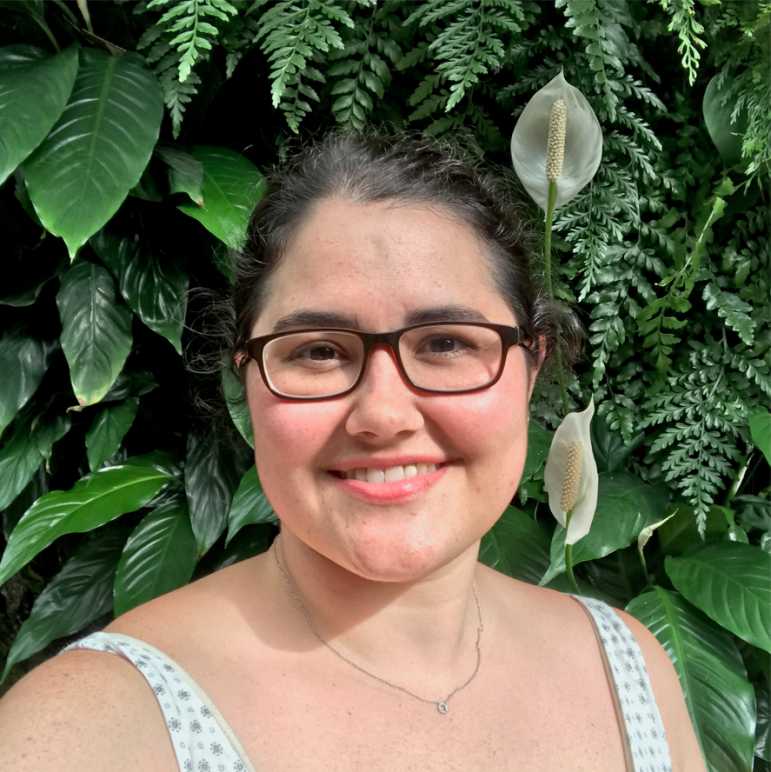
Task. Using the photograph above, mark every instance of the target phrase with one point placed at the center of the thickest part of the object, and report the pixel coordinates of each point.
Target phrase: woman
(368, 636)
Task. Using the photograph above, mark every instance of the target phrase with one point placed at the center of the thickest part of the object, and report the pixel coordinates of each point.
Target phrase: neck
(419, 632)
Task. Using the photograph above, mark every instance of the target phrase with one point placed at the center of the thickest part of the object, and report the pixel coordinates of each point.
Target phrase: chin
(404, 561)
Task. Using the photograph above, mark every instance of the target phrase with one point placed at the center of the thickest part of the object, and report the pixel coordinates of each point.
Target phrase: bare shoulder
(683, 745)
(83, 710)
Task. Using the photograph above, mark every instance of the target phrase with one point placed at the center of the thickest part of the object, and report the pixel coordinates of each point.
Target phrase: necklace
(440, 704)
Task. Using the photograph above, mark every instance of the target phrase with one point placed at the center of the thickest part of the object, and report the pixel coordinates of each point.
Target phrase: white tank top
(203, 741)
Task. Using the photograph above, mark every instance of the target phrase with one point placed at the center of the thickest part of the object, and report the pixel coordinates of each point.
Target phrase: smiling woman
(389, 333)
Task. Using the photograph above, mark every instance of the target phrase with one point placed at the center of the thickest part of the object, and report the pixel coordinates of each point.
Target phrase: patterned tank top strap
(645, 740)
(202, 739)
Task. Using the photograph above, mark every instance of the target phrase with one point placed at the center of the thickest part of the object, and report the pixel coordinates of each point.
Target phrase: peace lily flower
(556, 149)
(570, 476)
(557, 139)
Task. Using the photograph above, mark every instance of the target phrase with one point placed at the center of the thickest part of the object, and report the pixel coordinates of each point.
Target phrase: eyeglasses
(437, 358)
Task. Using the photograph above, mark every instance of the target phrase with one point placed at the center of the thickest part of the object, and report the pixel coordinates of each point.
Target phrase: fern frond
(688, 29)
(194, 34)
(363, 61)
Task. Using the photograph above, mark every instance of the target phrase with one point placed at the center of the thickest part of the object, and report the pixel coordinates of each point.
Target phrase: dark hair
(367, 168)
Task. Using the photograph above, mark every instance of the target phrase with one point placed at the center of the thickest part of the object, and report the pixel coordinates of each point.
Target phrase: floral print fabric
(203, 742)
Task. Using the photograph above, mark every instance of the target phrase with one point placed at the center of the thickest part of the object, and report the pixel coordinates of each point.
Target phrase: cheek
(286, 434)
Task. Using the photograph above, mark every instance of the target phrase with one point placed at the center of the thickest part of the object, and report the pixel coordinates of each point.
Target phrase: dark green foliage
(115, 486)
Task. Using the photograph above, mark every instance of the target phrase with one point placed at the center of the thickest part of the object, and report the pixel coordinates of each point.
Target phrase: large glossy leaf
(763, 729)
(236, 404)
(79, 176)
(107, 430)
(625, 505)
(720, 700)
(538, 444)
(610, 452)
(251, 540)
(760, 430)
(232, 186)
(185, 172)
(23, 363)
(516, 546)
(680, 533)
(154, 285)
(34, 89)
(249, 505)
(96, 330)
(726, 135)
(158, 557)
(78, 594)
(19, 459)
(93, 501)
(212, 474)
(731, 583)
(30, 445)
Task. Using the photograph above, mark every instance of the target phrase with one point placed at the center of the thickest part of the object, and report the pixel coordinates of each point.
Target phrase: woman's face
(375, 265)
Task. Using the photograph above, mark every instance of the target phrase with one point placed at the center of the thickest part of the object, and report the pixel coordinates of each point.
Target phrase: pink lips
(387, 493)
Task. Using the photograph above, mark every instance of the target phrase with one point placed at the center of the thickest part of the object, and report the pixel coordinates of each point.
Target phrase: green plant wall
(134, 137)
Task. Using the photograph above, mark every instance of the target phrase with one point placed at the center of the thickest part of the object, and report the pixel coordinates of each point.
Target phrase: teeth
(391, 474)
(375, 476)
(394, 473)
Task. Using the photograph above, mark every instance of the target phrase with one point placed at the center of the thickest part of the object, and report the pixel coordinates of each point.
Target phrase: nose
(384, 405)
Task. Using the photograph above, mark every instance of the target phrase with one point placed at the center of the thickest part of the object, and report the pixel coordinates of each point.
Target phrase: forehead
(381, 263)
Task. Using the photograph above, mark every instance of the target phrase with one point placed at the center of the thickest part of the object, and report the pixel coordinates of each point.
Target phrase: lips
(389, 484)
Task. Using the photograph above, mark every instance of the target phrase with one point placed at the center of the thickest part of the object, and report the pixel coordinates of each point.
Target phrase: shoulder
(81, 710)
(683, 745)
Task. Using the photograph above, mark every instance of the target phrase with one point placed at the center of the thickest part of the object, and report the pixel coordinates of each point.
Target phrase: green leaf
(251, 540)
(153, 284)
(720, 700)
(232, 186)
(93, 501)
(236, 403)
(726, 135)
(79, 176)
(516, 546)
(158, 557)
(30, 444)
(185, 172)
(681, 533)
(107, 430)
(78, 594)
(249, 505)
(23, 363)
(19, 460)
(212, 474)
(763, 729)
(625, 505)
(96, 330)
(538, 444)
(760, 430)
(731, 583)
(610, 452)
(34, 89)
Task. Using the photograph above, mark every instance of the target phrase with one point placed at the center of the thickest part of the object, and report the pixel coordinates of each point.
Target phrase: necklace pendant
(442, 707)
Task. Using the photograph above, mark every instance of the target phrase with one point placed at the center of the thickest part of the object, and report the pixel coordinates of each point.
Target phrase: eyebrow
(329, 319)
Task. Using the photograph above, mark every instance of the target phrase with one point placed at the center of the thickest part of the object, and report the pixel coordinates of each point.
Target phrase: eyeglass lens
(439, 357)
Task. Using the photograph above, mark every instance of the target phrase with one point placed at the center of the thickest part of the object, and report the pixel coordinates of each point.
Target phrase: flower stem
(550, 286)
(569, 558)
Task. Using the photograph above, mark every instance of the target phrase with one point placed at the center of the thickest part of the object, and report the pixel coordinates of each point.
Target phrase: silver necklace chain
(440, 704)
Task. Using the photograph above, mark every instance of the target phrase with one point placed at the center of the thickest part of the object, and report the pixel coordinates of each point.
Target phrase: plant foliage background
(133, 135)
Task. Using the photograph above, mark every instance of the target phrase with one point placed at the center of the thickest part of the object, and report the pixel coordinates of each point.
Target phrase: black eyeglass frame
(510, 336)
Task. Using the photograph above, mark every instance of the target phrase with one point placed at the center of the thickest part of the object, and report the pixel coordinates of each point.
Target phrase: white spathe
(574, 426)
(583, 143)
